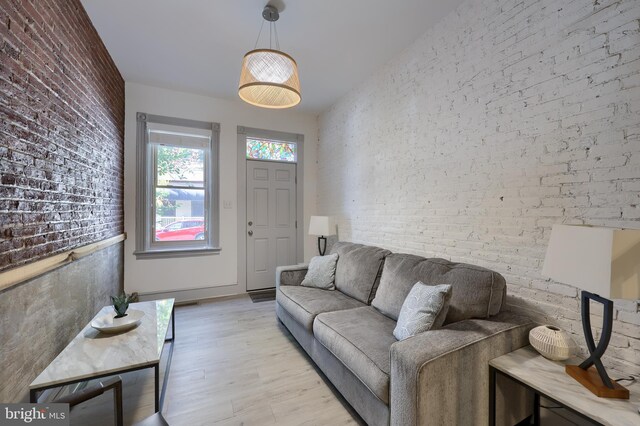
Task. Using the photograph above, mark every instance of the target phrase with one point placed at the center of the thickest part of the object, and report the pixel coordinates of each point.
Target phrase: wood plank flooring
(233, 364)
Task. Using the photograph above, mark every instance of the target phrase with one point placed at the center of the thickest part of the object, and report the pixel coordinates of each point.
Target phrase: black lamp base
(322, 248)
(591, 380)
(591, 373)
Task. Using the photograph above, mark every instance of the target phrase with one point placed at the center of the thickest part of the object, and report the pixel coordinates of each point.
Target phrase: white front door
(271, 221)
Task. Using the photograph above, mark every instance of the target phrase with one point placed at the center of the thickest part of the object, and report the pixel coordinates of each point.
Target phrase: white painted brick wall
(507, 117)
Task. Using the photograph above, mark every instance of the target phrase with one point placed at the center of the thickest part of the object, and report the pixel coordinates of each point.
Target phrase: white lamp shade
(321, 225)
(269, 79)
(605, 261)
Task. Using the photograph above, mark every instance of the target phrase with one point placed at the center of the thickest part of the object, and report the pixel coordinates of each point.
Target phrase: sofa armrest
(291, 275)
(442, 376)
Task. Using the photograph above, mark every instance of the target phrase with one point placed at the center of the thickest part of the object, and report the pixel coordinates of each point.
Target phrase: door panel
(283, 211)
(261, 207)
(271, 221)
(261, 174)
(283, 175)
(282, 251)
(261, 258)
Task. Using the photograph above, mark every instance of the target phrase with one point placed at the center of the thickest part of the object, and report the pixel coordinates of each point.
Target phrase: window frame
(146, 246)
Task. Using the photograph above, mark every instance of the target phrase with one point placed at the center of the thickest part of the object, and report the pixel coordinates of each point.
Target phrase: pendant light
(269, 77)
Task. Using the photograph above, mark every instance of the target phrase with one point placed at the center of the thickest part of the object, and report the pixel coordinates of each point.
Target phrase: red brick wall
(61, 132)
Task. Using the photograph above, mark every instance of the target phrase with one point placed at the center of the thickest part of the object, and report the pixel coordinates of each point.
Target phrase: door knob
(250, 233)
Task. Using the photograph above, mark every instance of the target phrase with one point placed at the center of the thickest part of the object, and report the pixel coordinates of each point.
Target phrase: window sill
(171, 253)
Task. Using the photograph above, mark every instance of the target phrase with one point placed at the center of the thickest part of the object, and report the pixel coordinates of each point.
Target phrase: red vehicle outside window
(182, 230)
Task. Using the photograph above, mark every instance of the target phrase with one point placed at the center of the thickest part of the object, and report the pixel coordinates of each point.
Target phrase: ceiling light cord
(259, 33)
(273, 35)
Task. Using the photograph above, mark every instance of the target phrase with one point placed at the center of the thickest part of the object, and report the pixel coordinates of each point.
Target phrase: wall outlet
(227, 204)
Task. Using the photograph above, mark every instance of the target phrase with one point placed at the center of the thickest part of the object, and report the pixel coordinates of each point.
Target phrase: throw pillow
(322, 272)
(425, 308)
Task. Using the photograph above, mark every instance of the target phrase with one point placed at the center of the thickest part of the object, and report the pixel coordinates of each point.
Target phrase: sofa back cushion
(358, 270)
(476, 292)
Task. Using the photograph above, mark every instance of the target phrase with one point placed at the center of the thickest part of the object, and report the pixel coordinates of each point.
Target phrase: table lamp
(605, 264)
(321, 226)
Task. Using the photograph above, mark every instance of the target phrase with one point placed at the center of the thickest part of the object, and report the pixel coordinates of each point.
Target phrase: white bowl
(108, 323)
(552, 342)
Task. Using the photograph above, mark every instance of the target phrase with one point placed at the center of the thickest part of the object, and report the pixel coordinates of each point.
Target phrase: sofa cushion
(358, 270)
(304, 303)
(425, 308)
(361, 339)
(322, 272)
(476, 292)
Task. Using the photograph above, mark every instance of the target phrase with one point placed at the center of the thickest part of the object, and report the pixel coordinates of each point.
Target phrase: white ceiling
(198, 45)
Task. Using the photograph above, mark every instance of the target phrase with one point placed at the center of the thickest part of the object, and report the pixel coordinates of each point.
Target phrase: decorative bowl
(552, 342)
(107, 323)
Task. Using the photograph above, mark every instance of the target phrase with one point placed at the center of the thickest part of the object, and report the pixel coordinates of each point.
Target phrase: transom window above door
(271, 150)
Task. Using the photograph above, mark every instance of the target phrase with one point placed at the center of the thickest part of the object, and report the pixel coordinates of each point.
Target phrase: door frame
(243, 132)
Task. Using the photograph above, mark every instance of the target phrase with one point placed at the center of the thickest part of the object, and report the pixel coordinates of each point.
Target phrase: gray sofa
(438, 377)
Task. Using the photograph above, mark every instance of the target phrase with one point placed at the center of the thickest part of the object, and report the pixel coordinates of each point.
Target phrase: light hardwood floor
(233, 364)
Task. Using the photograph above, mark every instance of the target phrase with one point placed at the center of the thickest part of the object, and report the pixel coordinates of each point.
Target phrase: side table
(547, 378)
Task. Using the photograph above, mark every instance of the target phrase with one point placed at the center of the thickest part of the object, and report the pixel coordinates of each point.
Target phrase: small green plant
(121, 304)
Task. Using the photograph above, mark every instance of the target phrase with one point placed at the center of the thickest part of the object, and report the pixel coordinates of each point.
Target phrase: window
(264, 149)
(177, 210)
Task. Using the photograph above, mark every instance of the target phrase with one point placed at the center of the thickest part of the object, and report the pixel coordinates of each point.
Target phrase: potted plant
(121, 304)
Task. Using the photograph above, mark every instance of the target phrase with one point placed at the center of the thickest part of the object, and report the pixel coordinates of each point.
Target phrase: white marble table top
(92, 353)
(549, 378)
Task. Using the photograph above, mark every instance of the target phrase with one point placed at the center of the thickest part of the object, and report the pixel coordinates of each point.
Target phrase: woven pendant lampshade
(269, 79)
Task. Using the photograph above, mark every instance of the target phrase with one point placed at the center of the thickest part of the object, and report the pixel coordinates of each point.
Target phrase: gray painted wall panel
(38, 318)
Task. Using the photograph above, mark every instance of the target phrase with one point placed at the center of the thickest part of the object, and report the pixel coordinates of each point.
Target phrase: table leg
(536, 409)
(173, 323)
(160, 394)
(492, 396)
(167, 368)
(173, 326)
(157, 392)
(117, 402)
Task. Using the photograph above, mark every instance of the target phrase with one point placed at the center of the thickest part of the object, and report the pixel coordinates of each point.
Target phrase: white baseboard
(192, 294)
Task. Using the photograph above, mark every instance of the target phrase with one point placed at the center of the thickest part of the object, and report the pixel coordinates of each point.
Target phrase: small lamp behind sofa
(322, 226)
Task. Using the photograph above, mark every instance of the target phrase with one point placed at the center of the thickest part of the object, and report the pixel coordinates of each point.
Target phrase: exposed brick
(505, 118)
(61, 131)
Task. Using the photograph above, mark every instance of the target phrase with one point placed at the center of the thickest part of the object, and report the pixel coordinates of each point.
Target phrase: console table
(547, 378)
(92, 355)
